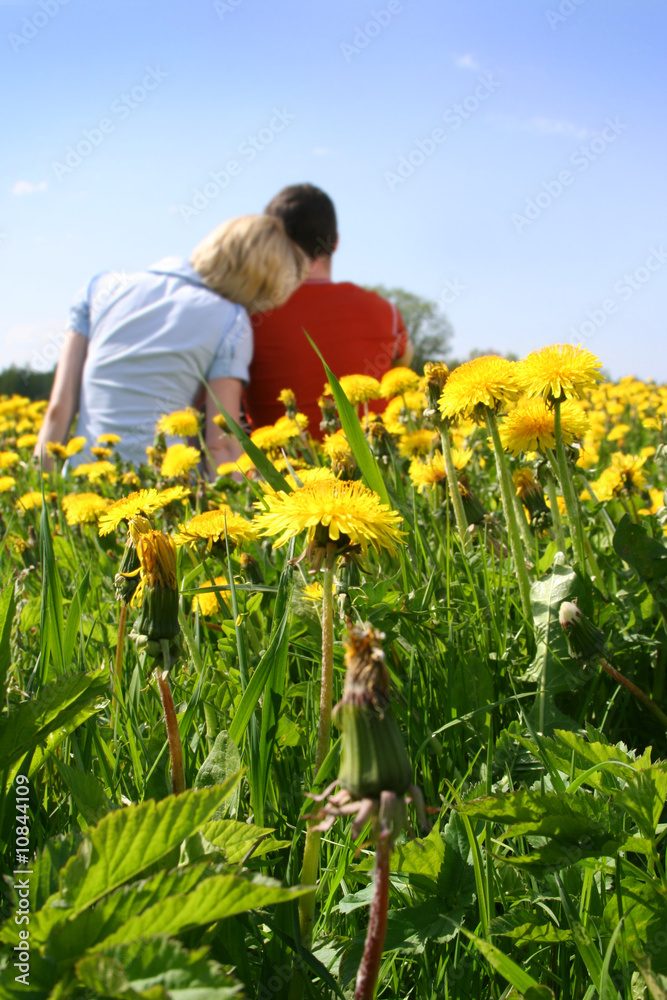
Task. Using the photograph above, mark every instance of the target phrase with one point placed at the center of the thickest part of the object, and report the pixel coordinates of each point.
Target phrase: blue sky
(505, 158)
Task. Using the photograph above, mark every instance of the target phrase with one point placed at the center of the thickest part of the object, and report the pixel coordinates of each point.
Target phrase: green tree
(428, 328)
(25, 382)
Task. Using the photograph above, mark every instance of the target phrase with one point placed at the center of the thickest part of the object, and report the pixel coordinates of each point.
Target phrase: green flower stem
(524, 529)
(173, 735)
(120, 648)
(570, 497)
(553, 501)
(377, 926)
(311, 852)
(506, 487)
(453, 484)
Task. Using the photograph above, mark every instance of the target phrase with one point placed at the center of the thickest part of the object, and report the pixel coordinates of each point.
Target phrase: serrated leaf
(156, 968)
(527, 926)
(54, 704)
(416, 857)
(128, 841)
(236, 838)
(218, 897)
(552, 669)
(223, 761)
(644, 797)
(87, 792)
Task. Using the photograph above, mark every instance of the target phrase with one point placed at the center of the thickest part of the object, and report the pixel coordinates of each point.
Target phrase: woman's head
(251, 261)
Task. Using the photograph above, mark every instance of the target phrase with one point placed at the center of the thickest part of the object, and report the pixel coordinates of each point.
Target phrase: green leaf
(86, 791)
(259, 459)
(158, 969)
(509, 970)
(368, 465)
(51, 613)
(526, 926)
(128, 841)
(214, 899)
(236, 838)
(644, 906)
(646, 555)
(583, 940)
(416, 857)
(269, 662)
(223, 761)
(50, 709)
(644, 797)
(7, 612)
(74, 617)
(552, 669)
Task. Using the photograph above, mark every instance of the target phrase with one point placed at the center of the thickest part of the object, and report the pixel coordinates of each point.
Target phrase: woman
(140, 345)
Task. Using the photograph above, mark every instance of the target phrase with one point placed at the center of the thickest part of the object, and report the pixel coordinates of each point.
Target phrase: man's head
(309, 217)
(250, 260)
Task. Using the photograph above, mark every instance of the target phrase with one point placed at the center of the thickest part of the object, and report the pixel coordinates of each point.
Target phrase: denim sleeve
(234, 353)
(79, 314)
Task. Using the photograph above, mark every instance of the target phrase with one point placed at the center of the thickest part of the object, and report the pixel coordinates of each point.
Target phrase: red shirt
(358, 333)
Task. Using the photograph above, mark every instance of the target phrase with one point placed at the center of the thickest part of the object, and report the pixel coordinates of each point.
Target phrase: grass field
(540, 750)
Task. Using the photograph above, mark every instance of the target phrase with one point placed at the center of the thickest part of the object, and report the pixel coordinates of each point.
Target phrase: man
(357, 331)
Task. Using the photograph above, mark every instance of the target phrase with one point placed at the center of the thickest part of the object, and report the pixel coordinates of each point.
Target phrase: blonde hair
(251, 261)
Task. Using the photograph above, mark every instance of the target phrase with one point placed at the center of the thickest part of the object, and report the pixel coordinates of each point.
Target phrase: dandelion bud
(329, 421)
(532, 495)
(288, 399)
(157, 625)
(435, 378)
(584, 639)
(373, 756)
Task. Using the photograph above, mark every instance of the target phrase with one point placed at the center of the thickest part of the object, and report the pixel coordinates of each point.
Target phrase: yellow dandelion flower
(287, 398)
(130, 479)
(180, 423)
(618, 432)
(486, 381)
(7, 483)
(651, 423)
(559, 371)
(74, 446)
(404, 409)
(211, 526)
(109, 439)
(84, 508)
(624, 475)
(313, 592)
(95, 472)
(357, 388)
(275, 436)
(648, 451)
(397, 381)
(100, 452)
(26, 441)
(417, 442)
(657, 501)
(333, 511)
(530, 425)
(30, 500)
(157, 561)
(336, 447)
(426, 473)
(56, 450)
(143, 502)
(208, 603)
(242, 464)
(179, 460)
(8, 459)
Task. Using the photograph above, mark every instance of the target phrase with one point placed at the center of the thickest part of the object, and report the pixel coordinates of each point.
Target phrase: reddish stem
(173, 735)
(377, 926)
(633, 689)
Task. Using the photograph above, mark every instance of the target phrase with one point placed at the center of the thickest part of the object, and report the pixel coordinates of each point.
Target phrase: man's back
(357, 332)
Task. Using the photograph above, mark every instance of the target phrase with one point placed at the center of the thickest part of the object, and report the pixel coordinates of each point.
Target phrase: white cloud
(27, 187)
(539, 125)
(466, 61)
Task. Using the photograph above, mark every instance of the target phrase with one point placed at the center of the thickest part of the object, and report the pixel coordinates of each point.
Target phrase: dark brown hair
(309, 217)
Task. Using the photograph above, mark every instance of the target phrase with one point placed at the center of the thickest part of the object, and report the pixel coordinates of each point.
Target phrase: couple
(138, 345)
